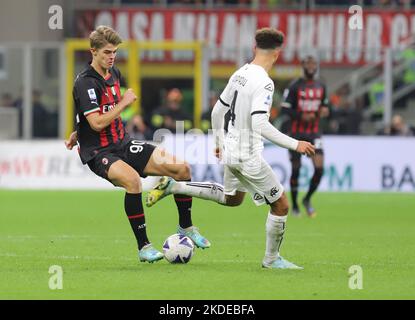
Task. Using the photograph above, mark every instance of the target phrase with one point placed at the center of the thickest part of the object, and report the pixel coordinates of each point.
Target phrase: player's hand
(129, 97)
(308, 116)
(71, 142)
(218, 153)
(305, 147)
(324, 112)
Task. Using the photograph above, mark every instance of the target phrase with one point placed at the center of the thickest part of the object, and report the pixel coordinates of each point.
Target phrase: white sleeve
(261, 125)
(218, 119)
(225, 97)
(262, 98)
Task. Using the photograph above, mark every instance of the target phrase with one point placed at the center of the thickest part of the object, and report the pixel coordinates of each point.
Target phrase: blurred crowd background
(32, 71)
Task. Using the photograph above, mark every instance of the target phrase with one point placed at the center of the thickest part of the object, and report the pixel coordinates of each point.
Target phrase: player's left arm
(260, 111)
(289, 101)
(325, 107)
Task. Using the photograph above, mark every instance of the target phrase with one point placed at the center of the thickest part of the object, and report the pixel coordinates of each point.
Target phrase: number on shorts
(136, 146)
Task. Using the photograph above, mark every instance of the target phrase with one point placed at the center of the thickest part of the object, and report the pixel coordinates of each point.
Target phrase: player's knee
(280, 207)
(232, 201)
(284, 209)
(185, 173)
(132, 184)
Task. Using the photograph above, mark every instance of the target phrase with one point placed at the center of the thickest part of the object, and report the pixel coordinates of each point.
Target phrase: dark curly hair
(269, 38)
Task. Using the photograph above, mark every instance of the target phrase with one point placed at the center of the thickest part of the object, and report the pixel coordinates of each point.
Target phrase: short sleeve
(86, 96)
(262, 98)
(289, 97)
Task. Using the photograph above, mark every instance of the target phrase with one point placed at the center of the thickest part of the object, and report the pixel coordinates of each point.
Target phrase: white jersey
(249, 91)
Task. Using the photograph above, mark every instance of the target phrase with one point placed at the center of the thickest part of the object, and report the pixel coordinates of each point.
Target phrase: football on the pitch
(178, 248)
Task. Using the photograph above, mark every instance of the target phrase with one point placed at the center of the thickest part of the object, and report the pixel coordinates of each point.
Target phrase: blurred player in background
(110, 152)
(248, 97)
(305, 101)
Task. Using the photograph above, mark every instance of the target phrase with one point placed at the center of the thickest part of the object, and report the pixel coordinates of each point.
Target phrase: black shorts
(134, 152)
(316, 140)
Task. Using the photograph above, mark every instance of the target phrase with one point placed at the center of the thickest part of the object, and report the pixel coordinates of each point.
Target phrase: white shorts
(254, 176)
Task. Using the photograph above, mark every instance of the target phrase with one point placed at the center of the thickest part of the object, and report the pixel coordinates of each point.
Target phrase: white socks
(202, 190)
(275, 228)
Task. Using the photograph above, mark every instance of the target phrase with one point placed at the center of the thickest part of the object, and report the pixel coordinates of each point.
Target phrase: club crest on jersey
(104, 161)
(269, 87)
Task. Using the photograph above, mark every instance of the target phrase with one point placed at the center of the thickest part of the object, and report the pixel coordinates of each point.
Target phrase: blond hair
(103, 35)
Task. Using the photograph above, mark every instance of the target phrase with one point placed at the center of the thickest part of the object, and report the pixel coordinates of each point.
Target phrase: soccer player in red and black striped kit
(109, 151)
(305, 101)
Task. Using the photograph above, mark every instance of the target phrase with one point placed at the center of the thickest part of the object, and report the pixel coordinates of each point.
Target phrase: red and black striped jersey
(304, 96)
(93, 93)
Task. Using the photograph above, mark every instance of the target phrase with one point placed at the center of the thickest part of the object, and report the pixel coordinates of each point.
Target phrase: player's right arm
(218, 118)
(100, 121)
(86, 94)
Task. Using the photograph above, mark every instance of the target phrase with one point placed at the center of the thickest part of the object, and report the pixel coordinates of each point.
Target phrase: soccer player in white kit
(248, 97)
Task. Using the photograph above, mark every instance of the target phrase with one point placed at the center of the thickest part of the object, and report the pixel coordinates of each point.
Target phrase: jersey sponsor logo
(107, 107)
(258, 197)
(309, 105)
(269, 87)
(92, 94)
(274, 192)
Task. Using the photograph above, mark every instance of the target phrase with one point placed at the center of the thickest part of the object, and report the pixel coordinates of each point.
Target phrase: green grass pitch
(88, 235)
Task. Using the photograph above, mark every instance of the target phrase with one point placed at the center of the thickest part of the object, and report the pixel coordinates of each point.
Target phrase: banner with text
(351, 164)
(230, 33)
(48, 165)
